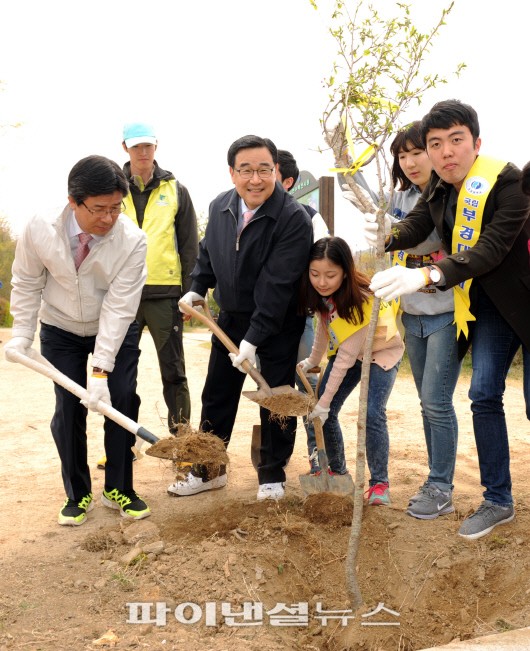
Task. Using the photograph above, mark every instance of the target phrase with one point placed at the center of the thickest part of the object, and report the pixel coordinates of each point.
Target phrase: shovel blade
(315, 483)
(323, 482)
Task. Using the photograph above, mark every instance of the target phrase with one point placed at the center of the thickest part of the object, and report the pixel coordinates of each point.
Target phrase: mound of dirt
(219, 571)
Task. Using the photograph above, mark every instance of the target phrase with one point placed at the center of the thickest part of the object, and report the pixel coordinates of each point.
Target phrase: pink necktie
(247, 216)
(82, 249)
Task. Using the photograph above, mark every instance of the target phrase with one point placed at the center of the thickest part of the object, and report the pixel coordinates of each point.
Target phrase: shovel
(40, 364)
(283, 401)
(323, 481)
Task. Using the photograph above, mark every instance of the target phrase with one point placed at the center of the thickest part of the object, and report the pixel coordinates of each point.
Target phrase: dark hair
(354, 290)
(95, 175)
(407, 139)
(287, 166)
(525, 179)
(251, 142)
(449, 113)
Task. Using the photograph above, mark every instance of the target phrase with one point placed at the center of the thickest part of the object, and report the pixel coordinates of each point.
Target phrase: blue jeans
(494, 345)
(432, 349)
(377, 445)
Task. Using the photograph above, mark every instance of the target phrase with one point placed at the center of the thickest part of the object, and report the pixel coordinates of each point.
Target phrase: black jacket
(499, 261)
(258, 272)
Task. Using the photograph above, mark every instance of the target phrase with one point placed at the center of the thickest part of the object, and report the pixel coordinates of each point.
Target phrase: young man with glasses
(82, 275)
(254, 251)
(481, 214)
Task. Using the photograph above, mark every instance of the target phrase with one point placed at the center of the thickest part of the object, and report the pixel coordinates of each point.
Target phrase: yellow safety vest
(339, 329)
(163, 261)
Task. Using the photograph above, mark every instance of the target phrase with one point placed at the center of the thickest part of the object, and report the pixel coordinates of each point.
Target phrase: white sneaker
(191, 485)
(271, 491)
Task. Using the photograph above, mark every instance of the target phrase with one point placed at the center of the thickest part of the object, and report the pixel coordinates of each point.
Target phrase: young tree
(377, 76)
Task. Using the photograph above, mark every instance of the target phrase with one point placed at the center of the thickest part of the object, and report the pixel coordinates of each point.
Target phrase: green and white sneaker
(430, 502)
(128, 503)
(74, 512)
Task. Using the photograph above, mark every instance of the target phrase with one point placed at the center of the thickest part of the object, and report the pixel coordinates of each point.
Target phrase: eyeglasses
(103, 212)
(263, 173)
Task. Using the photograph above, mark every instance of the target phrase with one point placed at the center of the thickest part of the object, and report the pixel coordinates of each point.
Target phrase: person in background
(430, 332)
(253, 253)
(287, 173)
(161, 206)
(478, 208)
(82, 275)
(339, 295)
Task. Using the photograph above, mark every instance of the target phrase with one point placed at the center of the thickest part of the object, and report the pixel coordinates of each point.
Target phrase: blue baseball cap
(136, 133)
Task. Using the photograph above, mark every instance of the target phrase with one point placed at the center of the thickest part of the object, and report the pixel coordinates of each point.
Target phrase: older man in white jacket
(81, 275)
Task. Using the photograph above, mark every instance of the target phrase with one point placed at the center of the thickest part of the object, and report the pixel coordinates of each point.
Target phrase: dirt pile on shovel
(190, 446)
(283, 405)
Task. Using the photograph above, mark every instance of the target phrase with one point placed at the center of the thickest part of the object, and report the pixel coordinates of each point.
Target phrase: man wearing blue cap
(162, 208)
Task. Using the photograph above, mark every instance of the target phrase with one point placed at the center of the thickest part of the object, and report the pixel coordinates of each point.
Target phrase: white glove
(19, 345)
(362, 201)
(98, 389)
(246, 351)
(396, 281)
(306, 365)
(192, 297)
(319, 412)
(370, 228)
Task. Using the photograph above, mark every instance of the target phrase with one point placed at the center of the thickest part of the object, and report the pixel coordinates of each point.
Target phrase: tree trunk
(337, 141)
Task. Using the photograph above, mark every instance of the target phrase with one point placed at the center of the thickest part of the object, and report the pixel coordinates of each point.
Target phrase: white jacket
(100, 299)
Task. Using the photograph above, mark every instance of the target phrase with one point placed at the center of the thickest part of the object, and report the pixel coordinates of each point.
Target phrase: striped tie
(82, 249)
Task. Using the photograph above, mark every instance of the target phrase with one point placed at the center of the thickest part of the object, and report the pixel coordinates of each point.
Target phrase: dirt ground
(68, 588)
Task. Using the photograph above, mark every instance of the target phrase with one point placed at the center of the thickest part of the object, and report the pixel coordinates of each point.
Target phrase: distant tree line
(7, 254)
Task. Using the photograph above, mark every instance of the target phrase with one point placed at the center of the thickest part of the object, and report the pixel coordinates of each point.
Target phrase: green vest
(163, 261)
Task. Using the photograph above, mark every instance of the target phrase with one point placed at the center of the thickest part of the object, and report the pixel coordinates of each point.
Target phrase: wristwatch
(434, 275)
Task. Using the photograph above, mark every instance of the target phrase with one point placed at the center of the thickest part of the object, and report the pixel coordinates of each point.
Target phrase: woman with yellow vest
(339, 295)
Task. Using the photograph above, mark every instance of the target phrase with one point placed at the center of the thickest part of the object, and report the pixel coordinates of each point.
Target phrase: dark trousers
(69, 354)
(224, 383)
(164, 320)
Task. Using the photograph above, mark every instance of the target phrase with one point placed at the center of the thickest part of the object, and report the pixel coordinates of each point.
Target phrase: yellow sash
(468, 222)
(339, 329)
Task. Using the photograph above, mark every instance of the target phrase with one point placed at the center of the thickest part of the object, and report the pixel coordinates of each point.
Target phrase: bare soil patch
(67, 588)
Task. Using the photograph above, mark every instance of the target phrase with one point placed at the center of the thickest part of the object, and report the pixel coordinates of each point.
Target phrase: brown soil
(190, 446)
(67, 588)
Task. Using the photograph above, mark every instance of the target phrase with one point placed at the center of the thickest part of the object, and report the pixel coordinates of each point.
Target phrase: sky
(206, 73)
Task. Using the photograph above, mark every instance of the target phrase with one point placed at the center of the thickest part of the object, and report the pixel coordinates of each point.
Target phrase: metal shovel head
(323, 482)
(283, 401)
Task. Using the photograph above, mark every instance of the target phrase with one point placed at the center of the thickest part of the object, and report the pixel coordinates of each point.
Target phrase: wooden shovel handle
(305, 381)
(230, 345)
(317, 423)
(319, 433)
